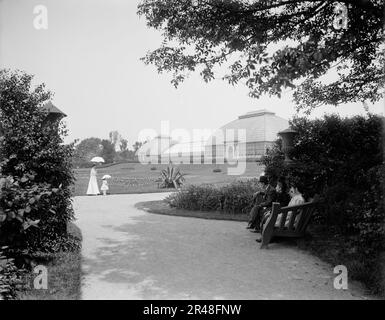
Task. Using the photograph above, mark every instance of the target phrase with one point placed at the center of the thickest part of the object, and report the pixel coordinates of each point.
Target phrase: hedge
(235, 198)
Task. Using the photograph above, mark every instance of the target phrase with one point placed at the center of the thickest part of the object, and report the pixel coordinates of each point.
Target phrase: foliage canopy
(270, 45)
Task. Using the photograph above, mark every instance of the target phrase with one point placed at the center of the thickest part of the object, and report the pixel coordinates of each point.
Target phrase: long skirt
(93, 188)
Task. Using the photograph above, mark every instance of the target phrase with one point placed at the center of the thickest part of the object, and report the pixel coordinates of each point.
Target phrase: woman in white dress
(296, 199)
(93, 188)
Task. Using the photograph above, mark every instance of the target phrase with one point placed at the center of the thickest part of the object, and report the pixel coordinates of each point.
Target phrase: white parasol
(106, 176)
(97, 159)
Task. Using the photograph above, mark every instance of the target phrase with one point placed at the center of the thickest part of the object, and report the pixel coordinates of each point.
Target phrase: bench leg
(268, 227)
(267, 230)
(266, 237)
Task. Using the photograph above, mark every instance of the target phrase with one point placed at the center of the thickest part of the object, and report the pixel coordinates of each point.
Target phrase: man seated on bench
(282, 196)
(296, 199)
(262, 201)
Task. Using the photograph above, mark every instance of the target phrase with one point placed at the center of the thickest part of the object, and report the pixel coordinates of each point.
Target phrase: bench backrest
(299, 216)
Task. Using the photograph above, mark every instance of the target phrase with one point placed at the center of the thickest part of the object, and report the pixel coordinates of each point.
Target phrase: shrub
(369, 213)
(11, 278)
(233, 198)
(35, 161)
(329, 150)
(171, 178)
(217, 170)
(22, 203)
(342, 160)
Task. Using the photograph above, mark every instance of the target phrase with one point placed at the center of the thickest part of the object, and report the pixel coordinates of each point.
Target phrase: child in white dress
(104, 186)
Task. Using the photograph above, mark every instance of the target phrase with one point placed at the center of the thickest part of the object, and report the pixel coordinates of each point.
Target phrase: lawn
(139, 178)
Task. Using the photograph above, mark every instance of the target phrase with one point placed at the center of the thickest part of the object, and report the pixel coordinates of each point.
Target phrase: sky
(89, 56)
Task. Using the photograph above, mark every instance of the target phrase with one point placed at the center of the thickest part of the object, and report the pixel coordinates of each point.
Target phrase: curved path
(132, 254)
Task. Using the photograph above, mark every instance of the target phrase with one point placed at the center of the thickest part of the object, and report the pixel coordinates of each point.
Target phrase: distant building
(151, 151)
(186, 152)
(247, 137)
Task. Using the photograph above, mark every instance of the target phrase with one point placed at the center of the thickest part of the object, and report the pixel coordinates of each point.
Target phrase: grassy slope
(138, 178)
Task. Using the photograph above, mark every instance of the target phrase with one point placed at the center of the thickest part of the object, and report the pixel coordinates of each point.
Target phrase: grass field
(139, 178)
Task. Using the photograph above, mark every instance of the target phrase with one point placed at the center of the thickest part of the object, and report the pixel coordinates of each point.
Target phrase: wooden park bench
(292, 221)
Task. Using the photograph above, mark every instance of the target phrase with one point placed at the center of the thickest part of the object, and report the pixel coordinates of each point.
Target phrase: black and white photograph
(192, 155)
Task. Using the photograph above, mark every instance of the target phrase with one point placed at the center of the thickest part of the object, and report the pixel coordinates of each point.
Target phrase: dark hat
(263, 179)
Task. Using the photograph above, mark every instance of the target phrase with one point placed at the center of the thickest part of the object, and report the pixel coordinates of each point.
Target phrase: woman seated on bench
(296, 199)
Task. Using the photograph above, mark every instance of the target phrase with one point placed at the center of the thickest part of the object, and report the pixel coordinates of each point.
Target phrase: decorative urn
(287, 136)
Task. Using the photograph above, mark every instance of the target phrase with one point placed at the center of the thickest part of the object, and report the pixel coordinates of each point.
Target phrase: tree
(271, 45)
(86, 150)
(115, 137)
(137, 145)
(108, 151)
(35, 165)
(123, 145)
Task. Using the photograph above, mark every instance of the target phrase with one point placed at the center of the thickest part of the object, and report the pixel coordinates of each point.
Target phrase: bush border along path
(162, 207)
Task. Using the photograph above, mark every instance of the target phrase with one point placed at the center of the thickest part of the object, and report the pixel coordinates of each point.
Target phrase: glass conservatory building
(247, 137)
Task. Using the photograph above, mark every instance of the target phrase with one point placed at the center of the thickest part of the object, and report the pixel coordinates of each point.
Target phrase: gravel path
(131, 254)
